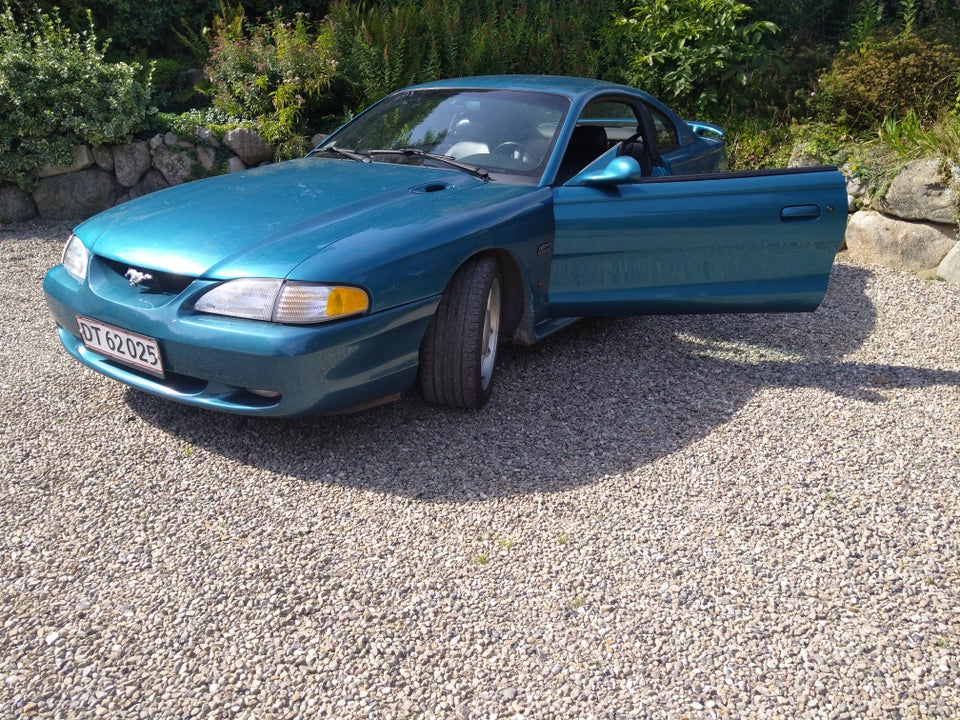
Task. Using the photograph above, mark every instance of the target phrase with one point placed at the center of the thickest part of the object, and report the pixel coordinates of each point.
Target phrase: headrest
(589, 136)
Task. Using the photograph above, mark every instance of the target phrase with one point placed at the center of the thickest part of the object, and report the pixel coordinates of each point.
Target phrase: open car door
(759, 241)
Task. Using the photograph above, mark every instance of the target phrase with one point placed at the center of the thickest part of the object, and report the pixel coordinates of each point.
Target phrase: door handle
(800, 213)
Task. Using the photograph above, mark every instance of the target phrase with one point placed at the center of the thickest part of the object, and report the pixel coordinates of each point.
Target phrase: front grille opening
(159, 282)
(183, 384)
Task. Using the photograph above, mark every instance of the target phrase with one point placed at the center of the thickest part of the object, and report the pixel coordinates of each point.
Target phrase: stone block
(912, 246)
(75, 196)
(103, 157)
(83, 159)
(176, 166)
(152, 181)
(949, 269)
(131, 163)
(918, 193)
(248, 145)
(16, 205)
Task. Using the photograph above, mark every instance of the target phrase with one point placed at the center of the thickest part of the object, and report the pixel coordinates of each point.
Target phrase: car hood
(265, 221)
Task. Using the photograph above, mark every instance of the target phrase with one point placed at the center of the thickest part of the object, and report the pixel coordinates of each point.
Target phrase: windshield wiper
(445, 159)
(342, 152)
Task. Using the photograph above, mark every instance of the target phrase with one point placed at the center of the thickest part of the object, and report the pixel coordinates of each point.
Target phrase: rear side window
(665, 131)
(617, 118)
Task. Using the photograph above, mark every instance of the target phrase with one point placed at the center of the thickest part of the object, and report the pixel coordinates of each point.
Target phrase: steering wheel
(516, 151)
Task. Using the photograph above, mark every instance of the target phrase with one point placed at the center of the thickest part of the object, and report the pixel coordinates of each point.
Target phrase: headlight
(75, 258)
(283, 302)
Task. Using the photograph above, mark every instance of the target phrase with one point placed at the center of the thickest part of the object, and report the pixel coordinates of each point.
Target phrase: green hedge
(57, 91)
(701, 56)
(889, 77)
(135, 27)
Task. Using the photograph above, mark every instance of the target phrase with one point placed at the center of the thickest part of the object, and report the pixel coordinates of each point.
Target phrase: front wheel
(459, 352)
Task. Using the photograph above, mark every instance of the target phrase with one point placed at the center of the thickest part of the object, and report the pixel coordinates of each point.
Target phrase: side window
(601, 125)
(618, 119)
(665, 131)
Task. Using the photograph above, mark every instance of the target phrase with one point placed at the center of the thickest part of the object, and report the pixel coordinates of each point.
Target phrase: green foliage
(862, 156)
(805, 23)
(909, 13)
(275, 73)
(753, 143)
(889, 76)
(698, 55)
(132, 25)
(865, 27)
(173, 84)
(910, 138)
(382, 47)
(57, 91)
(191, 122)
(874, 19)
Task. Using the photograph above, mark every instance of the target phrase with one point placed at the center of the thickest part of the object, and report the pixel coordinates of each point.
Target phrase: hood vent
(431, 187)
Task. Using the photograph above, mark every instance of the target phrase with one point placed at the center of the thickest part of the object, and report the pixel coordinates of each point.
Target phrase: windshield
(502, 131)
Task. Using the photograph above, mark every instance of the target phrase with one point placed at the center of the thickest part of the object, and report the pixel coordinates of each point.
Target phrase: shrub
(57, 91)
(888, 77)
(275, 73)
(696, 54)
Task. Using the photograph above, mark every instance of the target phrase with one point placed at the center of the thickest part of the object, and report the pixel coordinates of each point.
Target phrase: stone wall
(913, 227)
(102, 177)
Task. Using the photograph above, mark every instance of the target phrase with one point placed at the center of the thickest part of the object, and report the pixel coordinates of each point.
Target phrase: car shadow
(603, 397)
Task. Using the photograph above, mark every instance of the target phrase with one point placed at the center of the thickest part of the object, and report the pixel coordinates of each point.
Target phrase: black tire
(459, 352)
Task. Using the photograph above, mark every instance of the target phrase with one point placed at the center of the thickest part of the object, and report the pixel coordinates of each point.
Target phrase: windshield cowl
(342, 152)
(444, 159)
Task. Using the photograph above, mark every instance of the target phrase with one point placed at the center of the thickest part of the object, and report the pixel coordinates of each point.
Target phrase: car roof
(571, 87)
(578, 89)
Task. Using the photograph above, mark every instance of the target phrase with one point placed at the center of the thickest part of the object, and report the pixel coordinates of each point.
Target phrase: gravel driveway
(664, 517)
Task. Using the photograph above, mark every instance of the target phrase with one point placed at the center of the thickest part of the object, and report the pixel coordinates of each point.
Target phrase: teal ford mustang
(441, 221)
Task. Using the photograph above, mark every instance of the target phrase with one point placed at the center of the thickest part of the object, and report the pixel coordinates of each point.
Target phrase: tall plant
(381, 47)
(273, 73)
(869, 18)
(909, 16)
(696, 53)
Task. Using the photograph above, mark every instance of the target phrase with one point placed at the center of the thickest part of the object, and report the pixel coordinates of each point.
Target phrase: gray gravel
(667, 517)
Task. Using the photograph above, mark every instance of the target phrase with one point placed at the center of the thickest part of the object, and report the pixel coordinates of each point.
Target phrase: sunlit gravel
(664, 517)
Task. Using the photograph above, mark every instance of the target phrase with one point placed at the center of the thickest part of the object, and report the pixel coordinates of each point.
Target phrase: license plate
(138, 351)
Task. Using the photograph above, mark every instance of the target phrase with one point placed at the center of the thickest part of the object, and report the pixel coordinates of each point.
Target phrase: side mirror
(623, 169)
(703, 128)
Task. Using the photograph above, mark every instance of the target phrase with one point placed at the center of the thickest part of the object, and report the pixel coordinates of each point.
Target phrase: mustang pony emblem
(136, 277)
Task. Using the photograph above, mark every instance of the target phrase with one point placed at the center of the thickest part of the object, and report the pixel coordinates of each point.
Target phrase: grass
(756, 144)
(874, 158)
(910, 139)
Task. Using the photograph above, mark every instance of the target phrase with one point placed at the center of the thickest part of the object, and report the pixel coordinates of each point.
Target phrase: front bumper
(215, 362)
